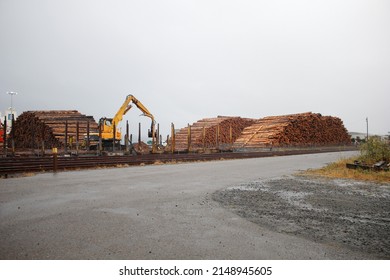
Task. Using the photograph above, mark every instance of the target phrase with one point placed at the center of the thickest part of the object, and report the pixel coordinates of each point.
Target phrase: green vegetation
(372, 151)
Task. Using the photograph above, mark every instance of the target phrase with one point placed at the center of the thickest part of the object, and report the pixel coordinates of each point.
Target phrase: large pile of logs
(32, 128)
(210, 133)
(306, 129)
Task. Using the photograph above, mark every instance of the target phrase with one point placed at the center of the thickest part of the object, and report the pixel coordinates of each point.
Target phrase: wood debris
(142, 148)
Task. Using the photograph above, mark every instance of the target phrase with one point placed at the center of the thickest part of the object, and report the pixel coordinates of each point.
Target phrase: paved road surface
(148, 212)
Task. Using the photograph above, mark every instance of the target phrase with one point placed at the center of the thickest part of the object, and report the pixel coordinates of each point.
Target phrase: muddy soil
(338, 212)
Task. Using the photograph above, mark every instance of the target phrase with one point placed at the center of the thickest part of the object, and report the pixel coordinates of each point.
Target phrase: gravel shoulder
(341, 213)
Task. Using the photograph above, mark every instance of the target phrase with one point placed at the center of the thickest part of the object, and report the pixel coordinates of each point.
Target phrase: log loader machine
(107, 126)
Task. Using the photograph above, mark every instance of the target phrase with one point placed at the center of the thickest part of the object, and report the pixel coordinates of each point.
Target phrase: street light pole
(12, 93)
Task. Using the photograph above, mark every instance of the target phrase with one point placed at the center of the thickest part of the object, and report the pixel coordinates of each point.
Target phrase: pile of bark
(32, 128)
(306, 129)
(210, 133)
(142, 148)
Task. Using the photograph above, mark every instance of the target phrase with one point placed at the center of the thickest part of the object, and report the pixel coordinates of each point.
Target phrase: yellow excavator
(108, 125)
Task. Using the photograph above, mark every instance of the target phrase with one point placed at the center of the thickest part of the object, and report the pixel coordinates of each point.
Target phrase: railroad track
(17, 165)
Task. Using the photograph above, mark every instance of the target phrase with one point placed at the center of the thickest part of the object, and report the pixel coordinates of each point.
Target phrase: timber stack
(32, 128)
(211, 133)
(305, 129)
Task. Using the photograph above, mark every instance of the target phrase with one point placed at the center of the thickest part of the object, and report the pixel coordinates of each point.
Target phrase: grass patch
(338, 169)
(374, 150)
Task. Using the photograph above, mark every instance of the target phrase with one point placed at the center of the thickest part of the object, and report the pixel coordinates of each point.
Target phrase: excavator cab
(107, 129)
(107, 122)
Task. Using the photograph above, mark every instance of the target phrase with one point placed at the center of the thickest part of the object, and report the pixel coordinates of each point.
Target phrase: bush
(374, 150)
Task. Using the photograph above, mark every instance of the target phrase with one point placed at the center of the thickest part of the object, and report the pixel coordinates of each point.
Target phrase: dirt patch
(339, 212)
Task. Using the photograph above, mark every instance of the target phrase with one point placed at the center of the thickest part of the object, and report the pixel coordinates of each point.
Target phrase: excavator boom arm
(126, 106)
(107, 125)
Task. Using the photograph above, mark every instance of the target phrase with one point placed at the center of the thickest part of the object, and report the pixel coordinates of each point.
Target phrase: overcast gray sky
(187, 60)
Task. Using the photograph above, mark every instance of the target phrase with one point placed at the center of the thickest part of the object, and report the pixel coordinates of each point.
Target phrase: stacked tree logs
(306, 129)
(210, 133)
(32, 128)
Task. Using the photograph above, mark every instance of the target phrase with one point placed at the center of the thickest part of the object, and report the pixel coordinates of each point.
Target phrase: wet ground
(336, 212)
(168, 212)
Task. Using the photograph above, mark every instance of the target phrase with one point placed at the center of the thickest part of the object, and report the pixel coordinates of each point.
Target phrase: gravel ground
(341, 213)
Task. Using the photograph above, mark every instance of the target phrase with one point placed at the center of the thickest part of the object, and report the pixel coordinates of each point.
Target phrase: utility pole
(367, 127)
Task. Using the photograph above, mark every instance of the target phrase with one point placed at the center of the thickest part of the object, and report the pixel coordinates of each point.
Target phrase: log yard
(72, 137)
(239, 139)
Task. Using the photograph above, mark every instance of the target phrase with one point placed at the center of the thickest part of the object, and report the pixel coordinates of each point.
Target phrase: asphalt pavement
(149, 212)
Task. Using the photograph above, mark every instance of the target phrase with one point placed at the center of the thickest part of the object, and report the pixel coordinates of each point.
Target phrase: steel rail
(15, 165)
